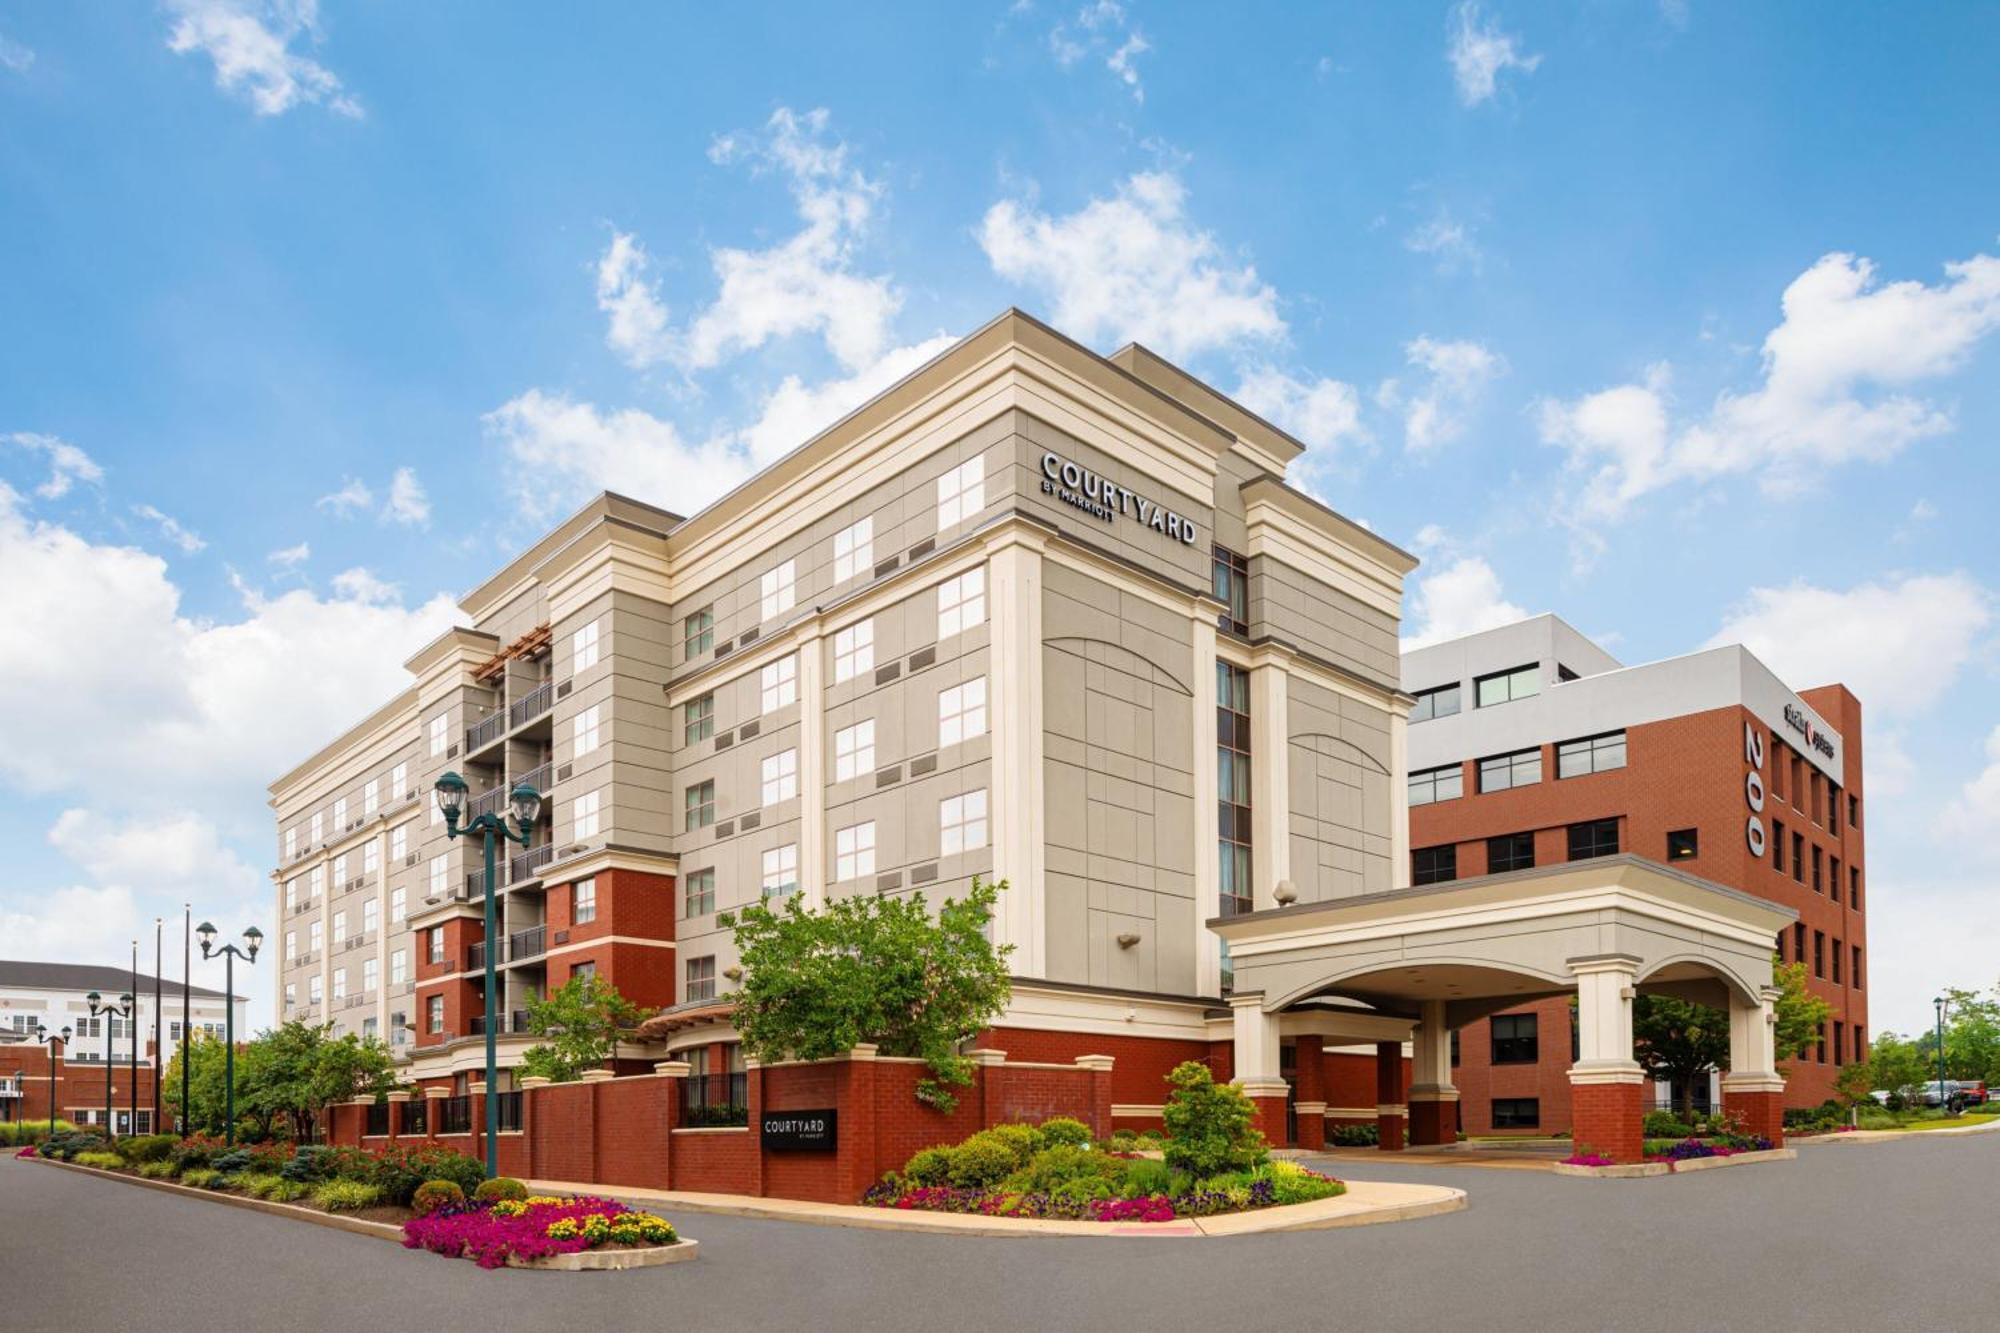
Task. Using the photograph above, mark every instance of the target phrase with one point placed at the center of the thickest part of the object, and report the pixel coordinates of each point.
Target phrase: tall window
(853, 751)
(962, 711)
(853, 651)
(698, 719)
(699, 805)
(1510, 851)
(961, 603)
(315, 990)
(1598, 837)
(291, 945)
(962, 823)
(583, 902)
(440, 867)
(853, 550)
(371, 857)
(318, 829)
(854, 851)
(1517, 1112)
(440, 730)
(1819, 868)
(961, 492)
(780, 776)
(1515, 1040)
(781, 871)
(399, 842)
(371, 976)
(1232, 785)
(371, 916)
(371, 798)
(1778, 845)
(1592, 754)
(340, 983)
(583, 648)
(1523, 768)
(1430, 785)
(291, 842)
(1799, 857)
(399, 967)
(1440, 702)
(340, 814)
(399, 780)
(434, 1014)
(698, 633)
(1506, 686)
(583, 814)
(1819, 953)
(437, 944)
(698, 892)
(1434, 865)
(1230, 581)
(778, 589)
(700, 978)
(315, 937)
(584, 730)
(778, 683)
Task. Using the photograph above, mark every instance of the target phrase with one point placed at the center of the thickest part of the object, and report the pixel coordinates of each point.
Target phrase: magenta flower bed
(1588, 1159)
(490, 1239)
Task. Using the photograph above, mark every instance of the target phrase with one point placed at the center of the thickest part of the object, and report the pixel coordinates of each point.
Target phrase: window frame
(1516, 1117)
(1433, 865)
(1512, 764)
(778, 777)
(1596, 828)
(854, 550)
(1690, 838)
(1512, 859)
(853, 650)
(777, 590)
(961, 492)
(698, 892)
(963, 823)
(1425, 707)
(854, 854)
(781, 880)
(1229, 583)
(1455, 771)
(698, 633)
(583, 901)
(698, 805)
(1530, 672)
(955, 712)
(1594, 752)
(1522, 1042)
(961, 603)
(698, 719)
(854, 751)
(778, 683)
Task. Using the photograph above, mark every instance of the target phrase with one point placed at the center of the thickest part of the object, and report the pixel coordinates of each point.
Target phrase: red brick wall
(631, 904)
(715, 1161)
(1479, 1080)
(632, 1131)
(1138, 1077)
(78, 1086)
(563, 1124)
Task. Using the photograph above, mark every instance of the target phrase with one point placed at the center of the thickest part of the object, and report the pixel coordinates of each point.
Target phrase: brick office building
(1529, 745)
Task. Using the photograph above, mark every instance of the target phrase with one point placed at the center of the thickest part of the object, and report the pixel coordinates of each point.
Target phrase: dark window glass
(1799, 942)
(1854, 887)
(1515, 1041)
(1683, 845)
(1506, 686)
(1818, 864)
(1799, 857)
(1454, 1048)
(1430, 785)
(1510, 851)
(1599, 837)
(1523, 768)
(1564, 673)
(1517, 1113)
(1232, 755)
(1833, 878)
(1854, 980)
(1819, 953)
(1231, 574)
(1854, 811)
(1780, 950)
(1778, 845)
(700, 979)
(1592, 754)
(1839, 953)
(1434, 865)
(1440, 702)
(1832, 807)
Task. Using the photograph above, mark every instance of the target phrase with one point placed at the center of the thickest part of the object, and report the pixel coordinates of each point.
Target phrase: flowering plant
(1587, 1159)
(533, 1228)
(28, 1151)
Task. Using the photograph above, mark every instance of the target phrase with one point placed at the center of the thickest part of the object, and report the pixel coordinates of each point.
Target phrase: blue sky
(1675, 318)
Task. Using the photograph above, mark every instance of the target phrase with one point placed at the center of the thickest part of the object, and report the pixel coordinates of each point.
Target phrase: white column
(1258, 1071)
(1014, 685)
(1604, 1019)
(1270, 784)
(1399, 800)
(812, 768)
(1207, 869)
(1430, 1055)
(1753, 1040)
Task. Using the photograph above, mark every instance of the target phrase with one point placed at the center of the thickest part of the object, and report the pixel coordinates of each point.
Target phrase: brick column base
(1312, 1125)
(1608, 1118)
(1762, 1113)
(1433, 1122)
(1270, 1117)
(1389, 1128)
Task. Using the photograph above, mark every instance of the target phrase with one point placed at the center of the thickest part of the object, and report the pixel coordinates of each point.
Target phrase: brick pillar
(596, 1078)
(1312, 1125)
(1270, 1106)
(530, 1167)
(1390, 1110)
(754, 1075)
(673, 1074)
(1760, 1112)
(397, 1101)
(988, 1072)
(435, 1098)
(859, 1149)
(1433, 1122)
(1309, 1093)
(1100, 1092)
(477, 1091)
(1607, 1118)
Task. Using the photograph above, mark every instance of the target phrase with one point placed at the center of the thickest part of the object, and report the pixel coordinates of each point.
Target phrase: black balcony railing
(454, 1115)
(475, 883)
(416, 1115)
(537, 777)
(710, 1100)
(529, 943)
(378, 1120)
(529, 863)
(485, 731)
(489, 802)
(510, 1112)
(475, 957)
(514, 1022)
(531, 705)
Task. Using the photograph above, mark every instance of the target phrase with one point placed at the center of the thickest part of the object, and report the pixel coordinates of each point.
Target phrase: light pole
(44, 1037)
(123, 1009)
(252, 939)
(526, 803)
(1941, 1004)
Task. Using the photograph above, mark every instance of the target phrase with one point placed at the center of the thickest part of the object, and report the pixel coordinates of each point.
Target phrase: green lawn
(1983, 1118)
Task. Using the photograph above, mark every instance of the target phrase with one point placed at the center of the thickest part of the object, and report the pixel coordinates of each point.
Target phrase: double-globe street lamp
(52, 1040)
(526, 803)
(253, 939)
(123, 1009)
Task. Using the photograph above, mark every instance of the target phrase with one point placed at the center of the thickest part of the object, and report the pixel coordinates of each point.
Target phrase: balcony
(515, 1022)
(492, 801)
(529, 863)
(538, 778)
(485, 731)
(530, 943)
(531, 705)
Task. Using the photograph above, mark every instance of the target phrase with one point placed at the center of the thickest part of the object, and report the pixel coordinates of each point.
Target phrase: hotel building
(1031, 614)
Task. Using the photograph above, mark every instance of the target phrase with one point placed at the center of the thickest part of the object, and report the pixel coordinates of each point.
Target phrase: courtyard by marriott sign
(1102, 498)
(801, 1131)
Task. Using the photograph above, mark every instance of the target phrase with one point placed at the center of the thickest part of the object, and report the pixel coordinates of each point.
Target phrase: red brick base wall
(1433, 1123)
(1761, 1113)
(1609, 1119)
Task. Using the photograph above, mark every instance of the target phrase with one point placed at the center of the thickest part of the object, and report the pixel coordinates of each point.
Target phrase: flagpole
(159, 1048)
(132, 1064)
(187, 1021)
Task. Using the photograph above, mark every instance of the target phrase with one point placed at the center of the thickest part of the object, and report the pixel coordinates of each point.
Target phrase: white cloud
(78, 923)
(251, 46)
(1972, 819)
(352, 496)
(67, 463)
(175, 853)
(170, 528)
(638, 330)
(407, 504)
(1454, 374)
(1836, 372)
(794, 412)
(1102, 28)
(15, 56)
(568, 446)
(1448, 241)
(1462, 598)
(1479, 52)
(1133, 267)
(291, 556)
(1898, 644)
(1324, 413)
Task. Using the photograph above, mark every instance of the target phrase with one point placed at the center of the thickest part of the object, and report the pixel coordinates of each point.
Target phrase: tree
(1971, 1036)
(1899, 1066)
(817, 983)
(581, 1020)
(1801, 1014)
(296, 1070)
(1679, 1040)
(1211, 1127)
(203, 1055)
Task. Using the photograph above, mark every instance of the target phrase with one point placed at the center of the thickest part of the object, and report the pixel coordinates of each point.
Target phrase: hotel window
(1780, 949)
(399, 779)
(781, 871)
(1454, 1048)
(437, 810)
(584, 730)
(340, 815)
(780, 774)
(439, 867)
(1817, 817)
(1833, 878)
(440, 730)
(315, 883)
(1232, 785)
(399, 966)
(853, 651)
(1593, 754)
(1599, 837)
(371, 798)
(1820, 1058)
(961, 492)
(340, 871)
(1683, 844)
(698, 633)
(1434, 865)
(853, 550)
(371, 975)
(699, 805)
(434, 1014)
(1778, 845)
(778, 589)
(437, 944)
(961, 603)
(698, 719)
(1517, 1113)
(1506, 686)
(1839, 955)
(583, 814)
(698, 893)
(700, 979)
(583, 902)
(1832, 807)
(854, 851)
(1854, 887)
(318, 829)
(1799, 942)
(368, 1028)
(1819, 954)
(583, 648)
(962, 823)
(1854, 974)
(1515, 1040)
(399, 905)
(399, 842)
(1230, 581)
(1440, 702)
(1839, 1042)
(583, 971)
(1523, 768)
(315, 989)
(339, 983)
(1799, 857)
(1818, 869)
(1854, 811)
(853, 751)
(778, 683)
(291, 945)
(291, 842)
(340, 926)
(962, 712)
(371, 916)
(371, 857)
(291, 895)
(315, 937)
(1510, 851)
(1430, 785)
(291, 1000)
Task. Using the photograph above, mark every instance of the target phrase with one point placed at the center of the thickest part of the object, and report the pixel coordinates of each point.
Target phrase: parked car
(1973, 1090)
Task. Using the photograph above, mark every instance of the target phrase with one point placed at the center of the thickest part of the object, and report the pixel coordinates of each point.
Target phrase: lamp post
(253, 939)
(123, 1009)
(526, 803)
(44, 1037)
(1941, 1005)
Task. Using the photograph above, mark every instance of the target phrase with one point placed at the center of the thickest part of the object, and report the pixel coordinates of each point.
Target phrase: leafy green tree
(581, 1021)
(294, 1071)
(1211, 1127)
(1801, 1014)
(1679, 1040)
(1899, 1066)
(872, 969)
(1971, 1036)
(203, 1056)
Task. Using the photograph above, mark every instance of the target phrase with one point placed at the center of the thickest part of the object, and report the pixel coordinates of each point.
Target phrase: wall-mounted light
(1127, 939)
(1286, 893)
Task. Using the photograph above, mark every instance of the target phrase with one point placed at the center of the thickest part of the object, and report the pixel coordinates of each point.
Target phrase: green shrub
(230, 1163)
(286, 1191)
(1153, 1136)
(1292, 1183)
(103, 1161)
(347, 1196)
(1065, 1131)
(397, 1171)
(1665, 1125)
(195, 1152)
(929, 1166)
(19, 1133)
(160, 1170)
(1023, 1141)
(1356, 1136)
(145, 1147)
(202, 1177)
(1123, 1140)
(1145, 1178)
(64, 1147)
(982, 1161)
(1211, 1127)
(257, 1184)
(1097, 1175)
(500, 1187)
(435, 1194)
